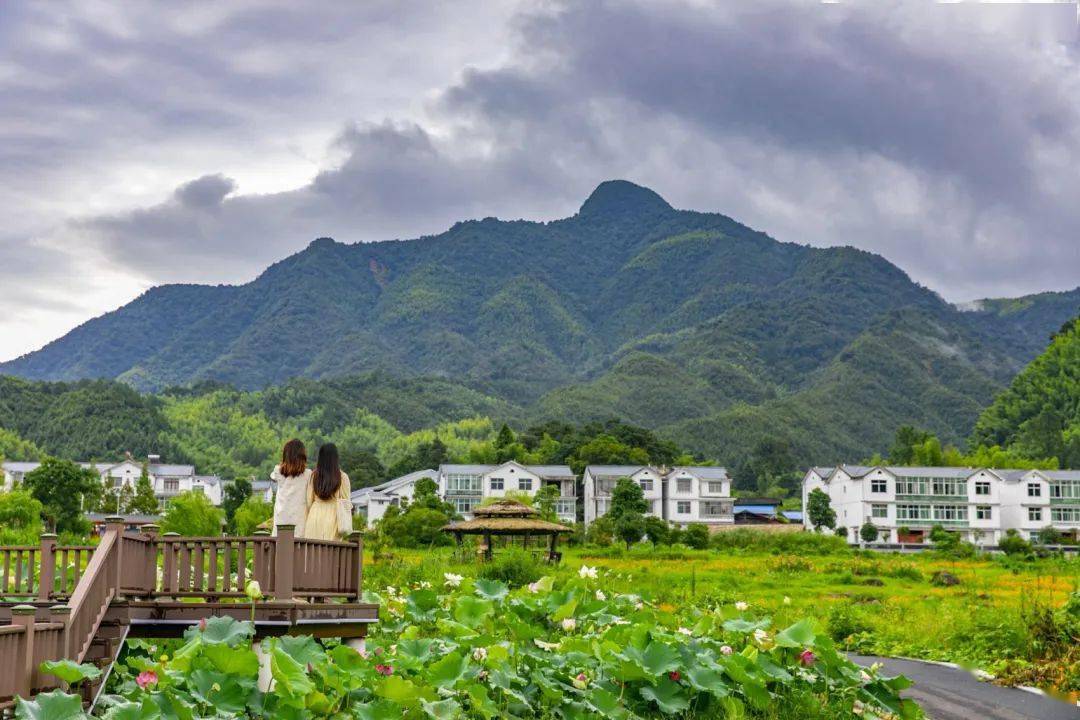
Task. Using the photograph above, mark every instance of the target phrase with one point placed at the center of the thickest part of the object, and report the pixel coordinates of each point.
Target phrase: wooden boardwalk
(81, 602)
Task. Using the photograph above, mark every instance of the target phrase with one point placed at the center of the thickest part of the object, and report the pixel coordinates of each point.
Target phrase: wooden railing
(146, 567)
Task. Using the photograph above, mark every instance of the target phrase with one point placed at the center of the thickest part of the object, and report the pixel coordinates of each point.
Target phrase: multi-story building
(683, 495)
(981, 504)
(466, 486)
(167, 480)
(373, 502)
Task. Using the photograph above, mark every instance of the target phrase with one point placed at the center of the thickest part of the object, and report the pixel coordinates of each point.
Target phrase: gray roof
(160, 469)
(394, 484)
(1060, 474)
(153, 469)
(541, 470)
(617, 470)
(953, 472)
(208, 479)
(705, 472)
(263, 484)
(16, 466)
(823, 471)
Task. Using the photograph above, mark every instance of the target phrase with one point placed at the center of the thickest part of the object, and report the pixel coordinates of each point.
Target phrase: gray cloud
(210, 142)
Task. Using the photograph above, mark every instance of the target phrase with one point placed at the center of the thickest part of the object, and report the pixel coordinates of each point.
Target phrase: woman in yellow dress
(329, 514)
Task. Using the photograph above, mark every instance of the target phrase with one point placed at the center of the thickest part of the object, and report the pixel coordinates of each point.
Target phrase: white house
(466, 486)
(373, 502)
(167, 480)
(979, 503)
(684, 495)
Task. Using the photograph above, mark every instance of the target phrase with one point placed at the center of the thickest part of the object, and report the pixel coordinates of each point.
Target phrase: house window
(1034, 514)
(1065, 515)
(716, 488)
(463, 484)
(683, 485)
(1065, 489)
(1034, 489)
(646, 484)
(172, 486)
(465, 504)
(879, 511)
(911, 486)
(879, 486)
(497, 484)
(948, 487)
(524, 483)
(715, 509)
(982, 487)
(682, 507)
(117, 482)
(983, 512)
(950, 512)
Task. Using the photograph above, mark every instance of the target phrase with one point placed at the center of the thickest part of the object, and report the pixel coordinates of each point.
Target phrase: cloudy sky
(148, 143)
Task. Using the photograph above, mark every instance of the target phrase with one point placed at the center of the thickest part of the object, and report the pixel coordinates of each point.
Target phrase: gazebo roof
(505, 517)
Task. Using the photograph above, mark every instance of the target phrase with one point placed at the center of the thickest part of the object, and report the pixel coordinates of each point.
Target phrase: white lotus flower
(479, 654)
(545, 645)
(726, 649)
(686, 631)
(600, 595)
(741, 606)
(569, 624)
(586, 572)
(453, 580)
(534, 587)
(761, 636)
(865, 676)
(253, 590)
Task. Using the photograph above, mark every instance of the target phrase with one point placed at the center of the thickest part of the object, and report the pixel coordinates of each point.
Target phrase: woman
(329, 514)
(293, 479)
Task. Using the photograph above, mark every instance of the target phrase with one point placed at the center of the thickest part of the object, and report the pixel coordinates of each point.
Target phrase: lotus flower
(581, 681)
(741, 606)
(253, 590)
(807, 657)
(453, 580)
(569, 624)
(686, 631)
(480, 654)
(726, 649)
(384, 669)
(600, 595)
(146, 678)
(674, 675)
(587, 572)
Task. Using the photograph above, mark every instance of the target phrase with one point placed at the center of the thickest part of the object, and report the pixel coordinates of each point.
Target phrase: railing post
(150, 531)
(47, 574)
(284, 559)
(23, 616)
(62, 614)
(358, 537)
(115, 526)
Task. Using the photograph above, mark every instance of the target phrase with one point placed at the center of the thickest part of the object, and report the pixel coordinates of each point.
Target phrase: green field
(1009, 617)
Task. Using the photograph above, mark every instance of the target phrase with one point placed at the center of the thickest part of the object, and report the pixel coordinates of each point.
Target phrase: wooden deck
(81, 603)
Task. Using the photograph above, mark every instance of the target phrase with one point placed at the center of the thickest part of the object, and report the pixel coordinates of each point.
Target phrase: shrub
(905, 571)
(844, 621)
(416, 527)
(868, 532)
(514, 567)
(192, 514)
(789, 543)
(696, 536)
(841, 532)
(601, 532)
(1013, 544)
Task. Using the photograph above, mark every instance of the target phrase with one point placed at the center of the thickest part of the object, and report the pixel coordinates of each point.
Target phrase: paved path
(947, 693)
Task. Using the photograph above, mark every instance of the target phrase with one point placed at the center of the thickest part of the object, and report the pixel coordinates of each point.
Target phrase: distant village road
(947, 693)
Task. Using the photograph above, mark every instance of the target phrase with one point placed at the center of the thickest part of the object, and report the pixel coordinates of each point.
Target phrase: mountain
(683, 321)
(1038, 416)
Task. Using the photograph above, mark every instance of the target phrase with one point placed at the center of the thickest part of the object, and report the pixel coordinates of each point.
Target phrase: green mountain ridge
(677, 320)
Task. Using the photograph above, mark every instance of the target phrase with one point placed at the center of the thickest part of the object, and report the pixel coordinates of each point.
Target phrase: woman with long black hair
(329, 514)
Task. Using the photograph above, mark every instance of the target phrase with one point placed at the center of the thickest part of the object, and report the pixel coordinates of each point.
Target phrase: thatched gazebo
(507, 517)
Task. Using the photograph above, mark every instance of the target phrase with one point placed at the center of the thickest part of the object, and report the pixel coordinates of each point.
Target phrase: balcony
(1065, 501)
(901, 522)
(566, 507)
(936, 498)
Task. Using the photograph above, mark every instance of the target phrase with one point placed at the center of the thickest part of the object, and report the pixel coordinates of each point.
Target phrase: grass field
(1005, 616)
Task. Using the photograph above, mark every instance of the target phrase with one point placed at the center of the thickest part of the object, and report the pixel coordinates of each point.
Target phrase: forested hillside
(1039, 414)
(711, 333)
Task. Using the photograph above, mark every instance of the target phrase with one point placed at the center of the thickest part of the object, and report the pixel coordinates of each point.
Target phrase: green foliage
(819, 510)
(234, 495)
(20, 518)
(13, 447)
(1038, 416)
(1013, 544)
(192, 514)
(512, 566)
(144, 500)
(696, 536)
(657, 530)
(630, 527)
(546, 500)
(627, 498)
(417, 526)
(252, 512)
(59, 485)
(482, 649)
(868, 532)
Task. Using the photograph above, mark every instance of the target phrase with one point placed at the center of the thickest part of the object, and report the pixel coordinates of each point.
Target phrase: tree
(416, 527)
(600, 531)
(696, 536)
(1013, 544)
(1048, 536)
(606, 450)
(657, 530)
(627, 497)
(903, 448)
(546, 501)
(59, 485)
(192, 514)
(253, 511)
(144, 501)
(868, 532)
(236, 492)
(819, 510)
(362, 467)
(20, 518)
(630, 527)
(505, 437)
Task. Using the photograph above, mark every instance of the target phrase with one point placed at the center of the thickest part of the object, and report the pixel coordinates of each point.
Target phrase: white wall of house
(681, 495)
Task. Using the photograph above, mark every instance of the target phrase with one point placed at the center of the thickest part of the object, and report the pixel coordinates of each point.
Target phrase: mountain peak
(622, 197)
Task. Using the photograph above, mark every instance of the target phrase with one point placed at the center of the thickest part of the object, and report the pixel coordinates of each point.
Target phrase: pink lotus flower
(807, 657)
(146, 678)
(384, 669)
(202, 624)
(674, 675)
(726, 649)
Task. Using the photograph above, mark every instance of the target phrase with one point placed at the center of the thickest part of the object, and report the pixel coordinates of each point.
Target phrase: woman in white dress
(293, 479)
